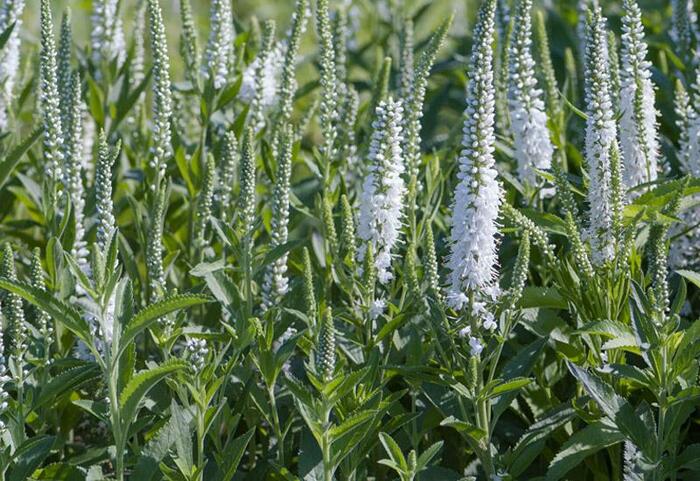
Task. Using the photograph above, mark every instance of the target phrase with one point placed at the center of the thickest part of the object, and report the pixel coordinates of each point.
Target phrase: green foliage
(185, 296)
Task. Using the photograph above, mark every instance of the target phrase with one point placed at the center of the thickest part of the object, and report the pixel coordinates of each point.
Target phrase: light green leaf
(139, 385)
(7, 166)
(466, 429)
(393, 450)
(29, 457)
(232, 454)
(582, 444)
(58, 310)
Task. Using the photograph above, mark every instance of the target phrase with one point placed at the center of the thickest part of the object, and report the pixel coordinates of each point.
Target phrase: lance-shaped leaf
(55, 308)
(232, 454)
(582, 444)
(8, 164)
(617, 409)
(29, 456)
(151, 314)
(66, 382)
(139, 386)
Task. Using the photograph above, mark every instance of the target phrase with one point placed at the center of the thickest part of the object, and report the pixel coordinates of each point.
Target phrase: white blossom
(219, 53)
(475, 346)
(10, 12)
(601, 136)
(377, 308)
(638, 126)
(685, 245)
(383, 190)
(197, 351)
(270, 79)
(533, 147)
(4, 379)
(107, 35)
(474, 241)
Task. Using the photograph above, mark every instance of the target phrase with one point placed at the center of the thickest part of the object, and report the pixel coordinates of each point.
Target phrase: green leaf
(7, 166)
(532, 442)
(607, 328)
(232, 454)
(66, 382)
(617, 409)
(134, 392)
(58, 310)
(59, 472)
(29, 457)
(689, 459)
(428, 455)
(582, 444)
(393, 450)
(276, 253)
(151, 314)
(310, 458)
(351, 424)
(466, 429)
(127, 103)
(181, 419)
(691, 276)
(5, 36)
(508, 386)
(518, 366)
(542, 297)
(158, 447)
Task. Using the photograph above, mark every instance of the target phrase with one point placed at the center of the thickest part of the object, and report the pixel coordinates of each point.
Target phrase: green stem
(276, 425)
(483, 422)
(200, 442)
(247, 254)
(326, 446)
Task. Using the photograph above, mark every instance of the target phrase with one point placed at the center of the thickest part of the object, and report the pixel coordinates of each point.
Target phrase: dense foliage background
(349, 240)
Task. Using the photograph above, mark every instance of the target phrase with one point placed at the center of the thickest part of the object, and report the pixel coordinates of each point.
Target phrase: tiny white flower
(383, 190)
(473, 258)
(638, 126)
(601, 136)
(377, 308)
(197, 352)
(475, 346)
(465, 331)
(271, 78)
(533, 147)
(490, 322)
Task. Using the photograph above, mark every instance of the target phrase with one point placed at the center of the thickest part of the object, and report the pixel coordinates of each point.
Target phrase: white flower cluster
(74, 174)
(197, 351)
(533, 147)
(106, 223)
(638, 127)
(473, 258)
(685, 247)
(49, 102)
(107, 35)
(687, 119)
(277, 344)
(383, 190)
(4, 380)
(10, 12)
(377, 308)
(276, 284)
(162, 94)
(269, 83)
(601, 136)
(475, 345)
(220, 47)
